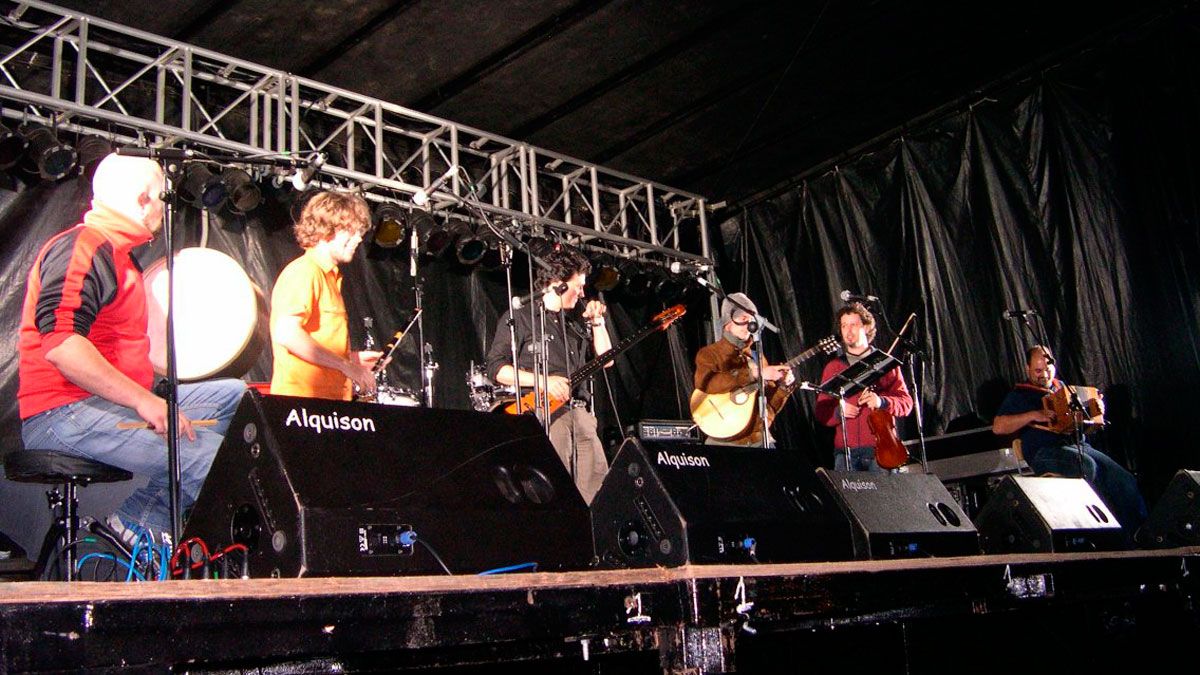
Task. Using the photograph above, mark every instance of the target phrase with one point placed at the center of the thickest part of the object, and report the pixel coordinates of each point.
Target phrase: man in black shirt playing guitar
(573, 428)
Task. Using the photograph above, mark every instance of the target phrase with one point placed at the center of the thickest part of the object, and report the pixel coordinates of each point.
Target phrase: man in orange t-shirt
(309, 336)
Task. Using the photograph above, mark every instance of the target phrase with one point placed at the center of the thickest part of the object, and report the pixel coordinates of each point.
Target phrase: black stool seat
(70, 472)
(52, 467)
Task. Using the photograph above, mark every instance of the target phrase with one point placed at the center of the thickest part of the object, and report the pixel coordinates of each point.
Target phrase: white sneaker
(126, 534)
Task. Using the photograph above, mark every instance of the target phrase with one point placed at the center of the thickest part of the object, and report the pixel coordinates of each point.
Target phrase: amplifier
(668, 430)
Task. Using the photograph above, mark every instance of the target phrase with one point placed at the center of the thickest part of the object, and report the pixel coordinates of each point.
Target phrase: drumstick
(146, 425)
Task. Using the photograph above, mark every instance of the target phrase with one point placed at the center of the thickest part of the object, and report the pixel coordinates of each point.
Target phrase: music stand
(866, 372)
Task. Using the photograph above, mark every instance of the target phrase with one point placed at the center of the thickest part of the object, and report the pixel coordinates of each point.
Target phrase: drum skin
(221, 324)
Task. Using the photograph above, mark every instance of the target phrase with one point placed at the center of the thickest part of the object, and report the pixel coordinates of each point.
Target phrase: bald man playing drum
(84, 364)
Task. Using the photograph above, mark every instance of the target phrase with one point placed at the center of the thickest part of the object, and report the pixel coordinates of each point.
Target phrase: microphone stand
(174, 475)
(911, 355)
(837, 395)
(762, 381)
(510, 244)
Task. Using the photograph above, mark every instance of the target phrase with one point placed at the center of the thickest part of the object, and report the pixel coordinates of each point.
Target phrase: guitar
(661, 321)
(730, 414)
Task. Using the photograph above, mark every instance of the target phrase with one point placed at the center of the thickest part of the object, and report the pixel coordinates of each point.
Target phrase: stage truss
(81, 74)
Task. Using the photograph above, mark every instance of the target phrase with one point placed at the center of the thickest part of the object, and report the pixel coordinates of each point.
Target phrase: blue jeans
(861, 459)
(1116, 486)
(88, 428)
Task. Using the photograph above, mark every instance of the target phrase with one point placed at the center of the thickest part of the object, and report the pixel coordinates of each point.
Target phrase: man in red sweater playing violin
(856, 328)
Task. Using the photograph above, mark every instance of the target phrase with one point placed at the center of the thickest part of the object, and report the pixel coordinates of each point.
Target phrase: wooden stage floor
(690, 619)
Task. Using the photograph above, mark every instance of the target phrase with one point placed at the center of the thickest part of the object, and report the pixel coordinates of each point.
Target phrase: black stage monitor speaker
(332, 488)
(1175, 520)
(1027, 514)
(676, 503)
(901, 515)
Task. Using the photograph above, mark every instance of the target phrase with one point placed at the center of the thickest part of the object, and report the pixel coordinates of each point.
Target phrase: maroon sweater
(891, 388)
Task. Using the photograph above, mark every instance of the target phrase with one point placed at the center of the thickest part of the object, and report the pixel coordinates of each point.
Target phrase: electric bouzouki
(730, 414)
(661, 321)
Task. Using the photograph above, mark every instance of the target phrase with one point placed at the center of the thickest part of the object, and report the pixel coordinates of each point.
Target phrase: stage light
(12, 147)
(242, 192)
(93, 149)
(54, 158)
(605, 277)
(214, 194)
(195, 178)
(440, 239)
(389, 226)
(471, 249)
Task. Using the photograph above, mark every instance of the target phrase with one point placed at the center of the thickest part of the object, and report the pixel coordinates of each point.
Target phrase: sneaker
(126, 533)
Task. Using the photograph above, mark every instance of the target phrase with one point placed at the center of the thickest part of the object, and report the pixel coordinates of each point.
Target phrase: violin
(890, 453)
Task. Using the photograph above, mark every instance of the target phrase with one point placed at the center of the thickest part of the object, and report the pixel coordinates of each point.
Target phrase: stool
(50, 467)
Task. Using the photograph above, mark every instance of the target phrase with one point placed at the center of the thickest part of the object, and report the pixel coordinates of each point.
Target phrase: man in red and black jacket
(856, 327)
(84, 360)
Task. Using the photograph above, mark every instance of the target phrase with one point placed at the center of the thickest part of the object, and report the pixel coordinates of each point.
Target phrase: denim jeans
(1116, 486)
(88, 428)
(861, 459)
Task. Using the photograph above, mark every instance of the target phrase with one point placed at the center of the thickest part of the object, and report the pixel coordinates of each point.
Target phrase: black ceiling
(720, 98)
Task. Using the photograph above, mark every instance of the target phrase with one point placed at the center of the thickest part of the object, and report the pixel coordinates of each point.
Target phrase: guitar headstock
(828, 345)
(669, 316)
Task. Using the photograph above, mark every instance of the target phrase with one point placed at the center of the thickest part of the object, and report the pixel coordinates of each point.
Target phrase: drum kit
(486, 395)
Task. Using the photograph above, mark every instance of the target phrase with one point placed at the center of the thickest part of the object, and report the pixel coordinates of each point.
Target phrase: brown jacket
(722, 367)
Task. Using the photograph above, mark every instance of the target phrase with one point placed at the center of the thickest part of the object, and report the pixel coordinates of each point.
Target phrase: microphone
(157, 153)
(421, 197)
(847, 296)
(678, 267)
(301, 178)
(1020, 313)
(414, 245)
(522, 300)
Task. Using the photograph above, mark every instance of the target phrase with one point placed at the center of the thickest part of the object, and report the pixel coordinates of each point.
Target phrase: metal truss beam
(77, 72)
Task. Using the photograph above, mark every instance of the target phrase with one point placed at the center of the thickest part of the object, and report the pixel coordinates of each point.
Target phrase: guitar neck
(802, 357)
(593, 366)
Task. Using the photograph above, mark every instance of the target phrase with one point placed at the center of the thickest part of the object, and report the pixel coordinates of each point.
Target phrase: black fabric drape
(1075, 194)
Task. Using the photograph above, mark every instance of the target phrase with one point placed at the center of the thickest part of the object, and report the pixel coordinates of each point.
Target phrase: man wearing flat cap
(730, 363)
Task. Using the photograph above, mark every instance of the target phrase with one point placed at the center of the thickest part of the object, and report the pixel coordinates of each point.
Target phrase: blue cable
(106, 556)
(133, 554)
(510, 568)
(141, 534)
(163, 551)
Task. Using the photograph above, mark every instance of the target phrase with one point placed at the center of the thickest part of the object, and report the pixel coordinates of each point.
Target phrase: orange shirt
(310, 289)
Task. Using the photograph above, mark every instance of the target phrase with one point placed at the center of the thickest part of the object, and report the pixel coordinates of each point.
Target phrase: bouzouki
(730, 414)
(661, 321)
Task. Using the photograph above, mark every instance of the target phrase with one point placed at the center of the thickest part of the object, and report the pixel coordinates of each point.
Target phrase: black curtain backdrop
(1074, 193)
